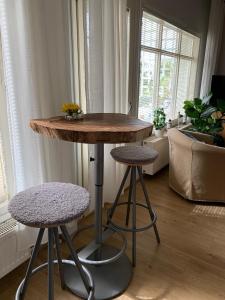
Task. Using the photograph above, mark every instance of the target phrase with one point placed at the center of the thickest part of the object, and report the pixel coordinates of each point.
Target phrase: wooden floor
(188, 265)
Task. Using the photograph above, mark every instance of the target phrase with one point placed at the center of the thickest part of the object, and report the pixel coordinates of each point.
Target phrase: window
(167, 68)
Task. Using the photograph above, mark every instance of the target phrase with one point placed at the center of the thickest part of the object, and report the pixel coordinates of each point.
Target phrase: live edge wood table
(110, 267)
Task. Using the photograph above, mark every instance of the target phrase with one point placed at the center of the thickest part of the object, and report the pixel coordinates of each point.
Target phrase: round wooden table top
(94, 128)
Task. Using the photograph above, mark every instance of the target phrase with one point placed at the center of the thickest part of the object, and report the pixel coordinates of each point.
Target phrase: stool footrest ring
(64, 261)
(118, 227)
(108, 260)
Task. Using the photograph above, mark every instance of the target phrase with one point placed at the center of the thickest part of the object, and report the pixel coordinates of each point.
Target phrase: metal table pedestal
(110, 279)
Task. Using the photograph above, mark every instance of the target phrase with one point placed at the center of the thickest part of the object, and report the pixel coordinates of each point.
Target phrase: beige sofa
(197, 169)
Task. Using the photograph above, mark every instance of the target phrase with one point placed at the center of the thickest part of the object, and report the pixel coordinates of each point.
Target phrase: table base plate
(110, 280)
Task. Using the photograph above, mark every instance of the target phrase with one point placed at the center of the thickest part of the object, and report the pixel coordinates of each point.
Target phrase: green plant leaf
(208, 112)
(207, 99)
(159, 118)
(197, 101)
(201, 112)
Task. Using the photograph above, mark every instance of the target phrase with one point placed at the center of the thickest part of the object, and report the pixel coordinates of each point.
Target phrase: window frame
(178, 55)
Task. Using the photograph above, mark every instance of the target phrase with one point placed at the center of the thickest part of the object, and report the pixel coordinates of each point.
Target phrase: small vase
(78, 116)
(74, 116)
(69, 117)
(159, 132)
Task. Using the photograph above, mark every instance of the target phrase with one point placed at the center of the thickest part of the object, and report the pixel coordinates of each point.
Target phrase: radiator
(10, 258)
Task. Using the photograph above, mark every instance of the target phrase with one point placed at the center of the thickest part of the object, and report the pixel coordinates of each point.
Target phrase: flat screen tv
(218, 88)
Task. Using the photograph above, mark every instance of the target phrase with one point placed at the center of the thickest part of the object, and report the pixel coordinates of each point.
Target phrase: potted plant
(204, 117)
(72, 110)
(159, 121)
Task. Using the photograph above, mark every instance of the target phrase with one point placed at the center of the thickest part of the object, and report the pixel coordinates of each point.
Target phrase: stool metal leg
(58, 253)
(148, 203)
(30, 265)
(75, 258)
(112, 210)
(133, 174)
(129, 202)
(50, 265)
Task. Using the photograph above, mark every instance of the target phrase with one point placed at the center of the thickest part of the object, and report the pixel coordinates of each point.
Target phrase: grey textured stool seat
(135, 157)
(52, 205)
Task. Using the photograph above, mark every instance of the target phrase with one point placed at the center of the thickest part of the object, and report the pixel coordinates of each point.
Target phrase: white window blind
(168, 67)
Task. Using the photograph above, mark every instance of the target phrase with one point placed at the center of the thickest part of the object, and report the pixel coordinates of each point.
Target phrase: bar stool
(50, 206)
(135, 157)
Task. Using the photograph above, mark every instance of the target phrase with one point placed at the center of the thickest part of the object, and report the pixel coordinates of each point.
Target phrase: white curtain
(107, 73)
(213, 44)
(77, 16)
(36, 56)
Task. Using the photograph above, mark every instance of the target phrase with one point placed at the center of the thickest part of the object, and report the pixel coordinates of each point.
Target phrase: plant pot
(74, 116)
(188, 120)
(159, 132)
(222, 133)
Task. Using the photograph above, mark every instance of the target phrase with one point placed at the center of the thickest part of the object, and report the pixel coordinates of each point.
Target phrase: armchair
(197, 169)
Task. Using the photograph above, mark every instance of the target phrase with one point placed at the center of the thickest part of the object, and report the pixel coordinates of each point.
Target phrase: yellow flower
(70, 108)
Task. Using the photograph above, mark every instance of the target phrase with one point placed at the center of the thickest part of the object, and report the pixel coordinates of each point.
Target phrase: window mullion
(189, 81)
(168, 53)
(158, 66)
(176, 76)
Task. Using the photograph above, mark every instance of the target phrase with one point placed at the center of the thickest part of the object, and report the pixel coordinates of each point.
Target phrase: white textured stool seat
(49, 204)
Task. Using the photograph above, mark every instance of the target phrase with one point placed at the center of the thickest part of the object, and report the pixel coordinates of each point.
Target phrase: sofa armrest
(208, 176)
(180, 169)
